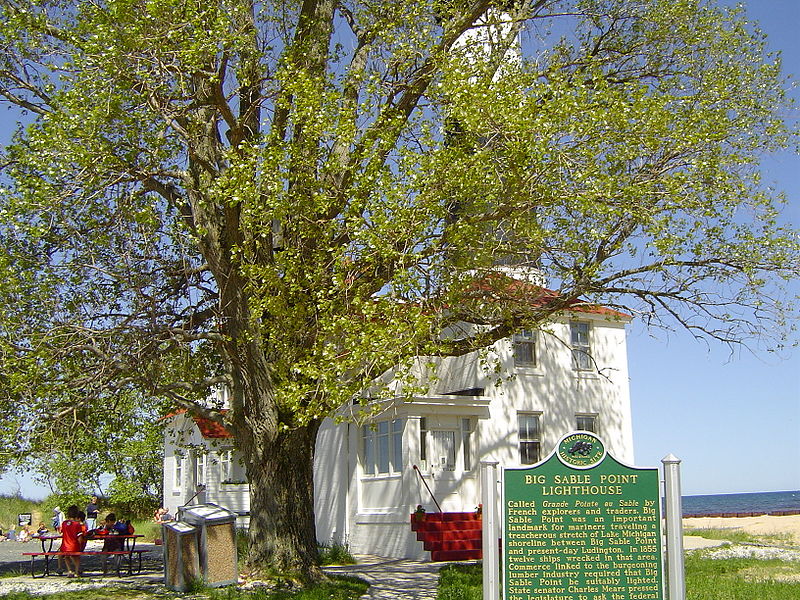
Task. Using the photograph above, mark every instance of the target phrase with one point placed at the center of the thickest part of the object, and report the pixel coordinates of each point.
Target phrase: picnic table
(128, 551)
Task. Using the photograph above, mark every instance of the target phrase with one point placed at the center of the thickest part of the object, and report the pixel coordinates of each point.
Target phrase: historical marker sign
(582, 526)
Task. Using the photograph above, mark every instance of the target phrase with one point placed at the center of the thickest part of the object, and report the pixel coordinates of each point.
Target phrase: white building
(573, 375)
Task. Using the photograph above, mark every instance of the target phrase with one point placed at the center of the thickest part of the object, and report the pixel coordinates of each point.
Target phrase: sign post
(582, 526)
(491, 573)
(674, 517)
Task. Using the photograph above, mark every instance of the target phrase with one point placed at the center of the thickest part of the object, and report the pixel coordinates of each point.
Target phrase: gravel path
(394, 579)
(390, 579)
(749, 551)
(15, 569)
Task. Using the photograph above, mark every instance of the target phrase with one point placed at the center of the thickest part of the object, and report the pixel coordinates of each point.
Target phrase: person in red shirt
(72, 532)
(84, 538)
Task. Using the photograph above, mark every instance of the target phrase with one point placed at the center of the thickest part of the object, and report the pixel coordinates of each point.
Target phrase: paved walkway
(394, 578)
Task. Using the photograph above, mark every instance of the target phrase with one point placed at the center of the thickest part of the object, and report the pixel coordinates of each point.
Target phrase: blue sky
(733, 419)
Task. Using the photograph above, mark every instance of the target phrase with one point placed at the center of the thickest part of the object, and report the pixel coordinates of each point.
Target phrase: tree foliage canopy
(291, 197)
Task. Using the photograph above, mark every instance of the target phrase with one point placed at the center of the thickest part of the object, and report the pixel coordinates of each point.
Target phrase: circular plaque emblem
(581, 450)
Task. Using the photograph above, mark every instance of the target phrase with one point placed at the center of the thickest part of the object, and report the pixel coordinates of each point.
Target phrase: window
(579, 339)
(466, 442)
(423, 442)
(443, 449)
(231, 469)
(178, 471)
(586, 423)
(225, 465)
(525, 354)
(383, 447)
(530, 438)
(439, 449)
(200, 467)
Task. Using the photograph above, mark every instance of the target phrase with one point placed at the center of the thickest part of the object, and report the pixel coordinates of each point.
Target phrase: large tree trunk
(282, 528)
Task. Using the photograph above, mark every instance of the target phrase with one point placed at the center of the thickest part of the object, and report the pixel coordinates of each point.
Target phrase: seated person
(163, 516)
(24, 534)
(42, 529)
(109, 532)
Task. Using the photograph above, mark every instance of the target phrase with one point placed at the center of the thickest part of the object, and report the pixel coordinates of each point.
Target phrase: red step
(449, 536)
(446, 525)
(453, 545)
(452, 555)
(452, 516)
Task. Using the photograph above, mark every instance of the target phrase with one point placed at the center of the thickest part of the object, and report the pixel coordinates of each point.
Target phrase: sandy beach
(763, 525)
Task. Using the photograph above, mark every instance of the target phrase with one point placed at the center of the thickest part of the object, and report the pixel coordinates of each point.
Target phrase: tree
(293, 198)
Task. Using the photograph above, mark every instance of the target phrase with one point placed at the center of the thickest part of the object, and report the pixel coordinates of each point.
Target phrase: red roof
(499, 286)
(211, 429)
(208, 428)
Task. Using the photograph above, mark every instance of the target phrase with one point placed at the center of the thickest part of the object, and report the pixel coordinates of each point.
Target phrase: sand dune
(763, 525)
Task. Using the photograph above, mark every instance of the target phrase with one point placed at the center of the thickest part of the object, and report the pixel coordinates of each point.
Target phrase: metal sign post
(674, 522)
(581, 525)
(491, 570)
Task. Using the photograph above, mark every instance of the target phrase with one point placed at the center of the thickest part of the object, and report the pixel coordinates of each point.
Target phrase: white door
(443, 450)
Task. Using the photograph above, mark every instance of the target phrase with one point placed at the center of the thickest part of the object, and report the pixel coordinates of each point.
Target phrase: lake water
(741, 503)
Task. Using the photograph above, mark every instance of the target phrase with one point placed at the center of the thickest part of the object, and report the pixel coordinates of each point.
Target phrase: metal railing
(425, 483)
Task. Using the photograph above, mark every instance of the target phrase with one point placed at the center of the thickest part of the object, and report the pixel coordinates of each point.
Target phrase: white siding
(371, 512)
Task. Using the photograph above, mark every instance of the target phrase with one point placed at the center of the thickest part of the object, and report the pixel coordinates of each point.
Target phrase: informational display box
(582, 526)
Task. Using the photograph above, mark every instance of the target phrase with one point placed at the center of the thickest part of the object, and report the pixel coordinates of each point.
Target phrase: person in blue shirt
(92, 510)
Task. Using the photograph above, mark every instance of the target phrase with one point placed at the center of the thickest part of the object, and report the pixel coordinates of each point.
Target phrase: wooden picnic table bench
(129, 549)
(117, 555)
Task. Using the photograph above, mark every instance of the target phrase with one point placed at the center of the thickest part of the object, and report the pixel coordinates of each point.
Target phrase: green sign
(582, 526)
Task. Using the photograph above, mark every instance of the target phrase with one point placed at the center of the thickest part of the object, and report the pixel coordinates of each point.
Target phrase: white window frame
(581, 416)
(580, 335)
(231, 467)
(526, 341)
(226, 465)
(178, 472)
(423, 443)
(526, 436)
(467, 429)
(200, 467)
(382, 447)
(445, 444)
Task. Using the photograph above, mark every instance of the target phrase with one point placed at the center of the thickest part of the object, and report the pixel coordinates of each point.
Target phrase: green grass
(336, 553)
(148, 529)
(706, 579)
(741, 579)
(11, 506)
(740, 537)
(104, 593)
(7, 573)
(339, 588)
(460, 582)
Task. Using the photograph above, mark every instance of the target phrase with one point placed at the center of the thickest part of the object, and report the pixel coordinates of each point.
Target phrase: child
(110, 531)
(58, 517)
(24, 534)
(82, 521)
(71, 533)
(42, 530)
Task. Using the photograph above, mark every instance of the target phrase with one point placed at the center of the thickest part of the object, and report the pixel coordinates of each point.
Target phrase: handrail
(425, 483)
